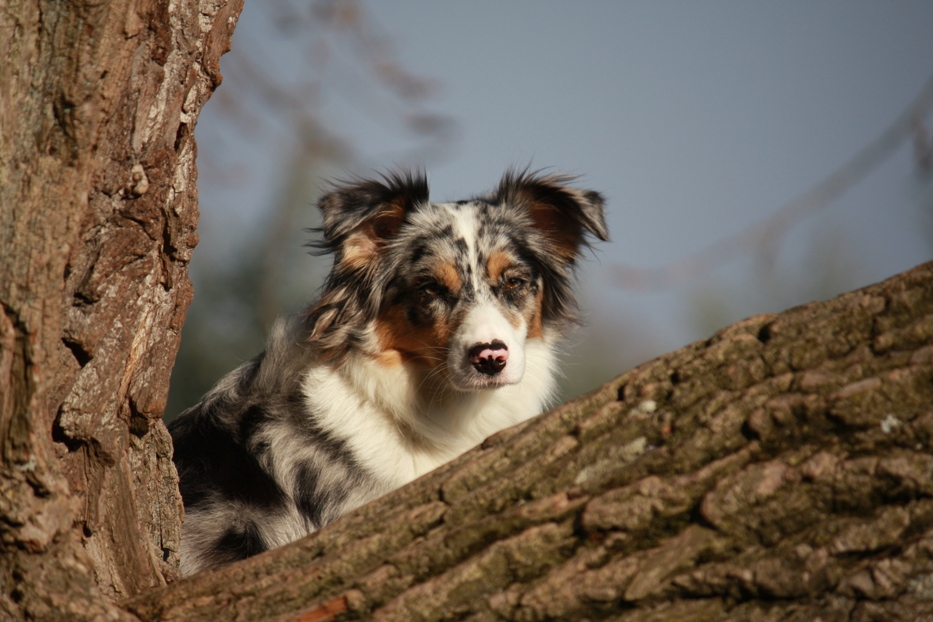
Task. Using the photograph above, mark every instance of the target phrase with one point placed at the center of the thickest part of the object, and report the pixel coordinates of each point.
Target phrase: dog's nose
(489, 358)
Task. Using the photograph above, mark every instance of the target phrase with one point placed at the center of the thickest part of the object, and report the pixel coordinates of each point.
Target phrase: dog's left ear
(566, 215)
(360, 217)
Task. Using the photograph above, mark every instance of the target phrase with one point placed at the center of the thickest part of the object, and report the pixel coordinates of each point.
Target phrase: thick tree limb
(780, 470)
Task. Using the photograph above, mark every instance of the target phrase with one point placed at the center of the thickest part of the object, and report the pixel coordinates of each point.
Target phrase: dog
(437, 326)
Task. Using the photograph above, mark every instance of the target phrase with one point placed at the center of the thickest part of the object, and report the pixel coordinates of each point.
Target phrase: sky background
(696, 120)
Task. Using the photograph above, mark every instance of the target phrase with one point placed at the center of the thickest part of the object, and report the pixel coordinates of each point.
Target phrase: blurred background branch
(765, 238)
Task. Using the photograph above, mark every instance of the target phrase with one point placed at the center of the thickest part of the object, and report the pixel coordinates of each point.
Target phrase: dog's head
(457, 288)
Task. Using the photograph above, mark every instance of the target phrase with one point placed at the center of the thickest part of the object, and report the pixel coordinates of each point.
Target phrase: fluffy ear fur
(566, 217)
(564, 214)
(360, 217)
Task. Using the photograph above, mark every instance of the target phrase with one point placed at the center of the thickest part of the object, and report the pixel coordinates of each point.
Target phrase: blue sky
(696, 120)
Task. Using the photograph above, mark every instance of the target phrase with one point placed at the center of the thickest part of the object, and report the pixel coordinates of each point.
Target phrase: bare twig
(769, 234)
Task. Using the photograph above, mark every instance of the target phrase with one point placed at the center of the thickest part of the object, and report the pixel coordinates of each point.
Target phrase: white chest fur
(397, 433)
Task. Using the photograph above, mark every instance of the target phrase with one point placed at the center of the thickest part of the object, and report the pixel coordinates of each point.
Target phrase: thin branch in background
(923, 148)
(403, 94)
(769, 234)
(348, 59)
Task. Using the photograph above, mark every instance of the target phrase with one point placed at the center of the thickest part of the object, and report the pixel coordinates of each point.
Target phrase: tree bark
(780, 470)
(98, 101)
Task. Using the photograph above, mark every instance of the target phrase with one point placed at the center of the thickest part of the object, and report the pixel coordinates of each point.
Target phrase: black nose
(489, 358)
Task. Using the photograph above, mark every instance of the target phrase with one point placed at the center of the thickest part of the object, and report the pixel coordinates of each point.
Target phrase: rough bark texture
(98, 101)
(780, 470)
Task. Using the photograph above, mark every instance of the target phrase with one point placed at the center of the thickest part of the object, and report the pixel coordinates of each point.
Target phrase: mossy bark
(98, 211)
(780, 470)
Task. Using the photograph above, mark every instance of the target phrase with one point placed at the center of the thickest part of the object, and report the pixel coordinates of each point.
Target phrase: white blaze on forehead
(465, 226)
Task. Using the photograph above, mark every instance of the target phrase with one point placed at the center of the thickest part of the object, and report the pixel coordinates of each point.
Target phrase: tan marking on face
(498, 263)
(400, 342)
(447, 275)
(534, 317)
(497, 269)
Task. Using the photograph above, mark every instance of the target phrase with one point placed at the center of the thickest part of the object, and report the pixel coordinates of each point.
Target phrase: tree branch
(778, 470)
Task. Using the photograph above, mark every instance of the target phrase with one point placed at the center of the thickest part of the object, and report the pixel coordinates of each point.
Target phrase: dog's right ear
(361, 216)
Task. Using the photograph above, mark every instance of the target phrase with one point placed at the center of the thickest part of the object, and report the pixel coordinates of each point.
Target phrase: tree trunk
(780, 470)
(98, 101)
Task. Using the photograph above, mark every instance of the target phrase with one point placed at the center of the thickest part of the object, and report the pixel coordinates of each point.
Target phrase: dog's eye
(433, 289)
(514, 282)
